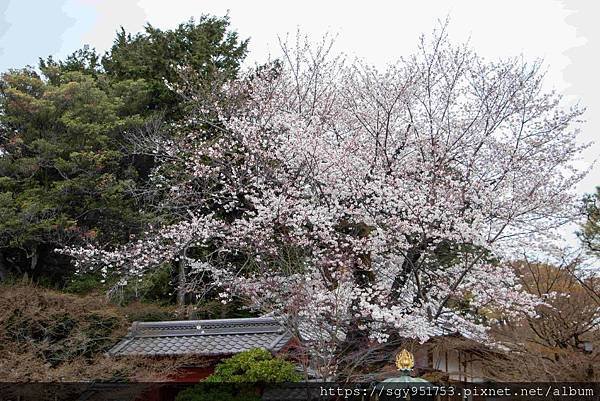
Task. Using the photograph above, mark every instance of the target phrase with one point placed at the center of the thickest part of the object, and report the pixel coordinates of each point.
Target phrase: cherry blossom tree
(367, 205)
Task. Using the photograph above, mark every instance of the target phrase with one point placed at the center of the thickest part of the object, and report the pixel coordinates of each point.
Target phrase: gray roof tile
(202, 337)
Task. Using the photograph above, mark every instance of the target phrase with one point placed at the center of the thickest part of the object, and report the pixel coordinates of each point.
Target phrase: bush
(84, 284)
(152, 287)
(242, 372)
(48, 336)
(53, 328)
(254, 366)
(215, 309)
(156, 286)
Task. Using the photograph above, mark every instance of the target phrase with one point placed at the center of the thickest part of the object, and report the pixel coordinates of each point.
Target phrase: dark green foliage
(84, 60)
(67, 174)
(154, 287)
(64, 177)
(254, 366)
(590, 233)
(83, 283)
(157, 286)
(243, 373)
(207, 47)
(215, 309)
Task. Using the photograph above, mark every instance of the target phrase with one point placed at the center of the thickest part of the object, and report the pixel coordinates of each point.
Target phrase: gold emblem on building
(405, 360)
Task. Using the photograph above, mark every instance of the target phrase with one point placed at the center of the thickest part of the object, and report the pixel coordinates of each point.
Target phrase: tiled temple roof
(202, 337)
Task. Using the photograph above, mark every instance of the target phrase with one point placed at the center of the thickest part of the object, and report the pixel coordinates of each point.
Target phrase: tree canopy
(374, 204)
(68, 171)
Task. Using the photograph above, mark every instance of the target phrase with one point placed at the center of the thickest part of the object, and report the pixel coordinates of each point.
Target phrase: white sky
(564, 33)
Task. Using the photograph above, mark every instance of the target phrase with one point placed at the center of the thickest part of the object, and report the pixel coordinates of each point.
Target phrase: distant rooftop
(202, 337)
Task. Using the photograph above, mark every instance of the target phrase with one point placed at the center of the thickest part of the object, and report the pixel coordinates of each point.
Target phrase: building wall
(192, 374)
(459, 365)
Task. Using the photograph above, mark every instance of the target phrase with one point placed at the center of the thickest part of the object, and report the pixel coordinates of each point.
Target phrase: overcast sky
(566, 34)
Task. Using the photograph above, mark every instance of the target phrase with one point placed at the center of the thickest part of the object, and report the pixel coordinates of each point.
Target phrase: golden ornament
(405, 360)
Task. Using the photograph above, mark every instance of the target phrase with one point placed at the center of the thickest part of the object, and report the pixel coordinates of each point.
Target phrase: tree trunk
(34, 259)
(408, 266)
(181, 285)
(357, 340)
(4, 272)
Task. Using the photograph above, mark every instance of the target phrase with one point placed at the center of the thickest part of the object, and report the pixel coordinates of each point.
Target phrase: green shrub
(152, 287)
(215, 309)
(156, 286)
(254, 366)
(242, 373)
(84, 284)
